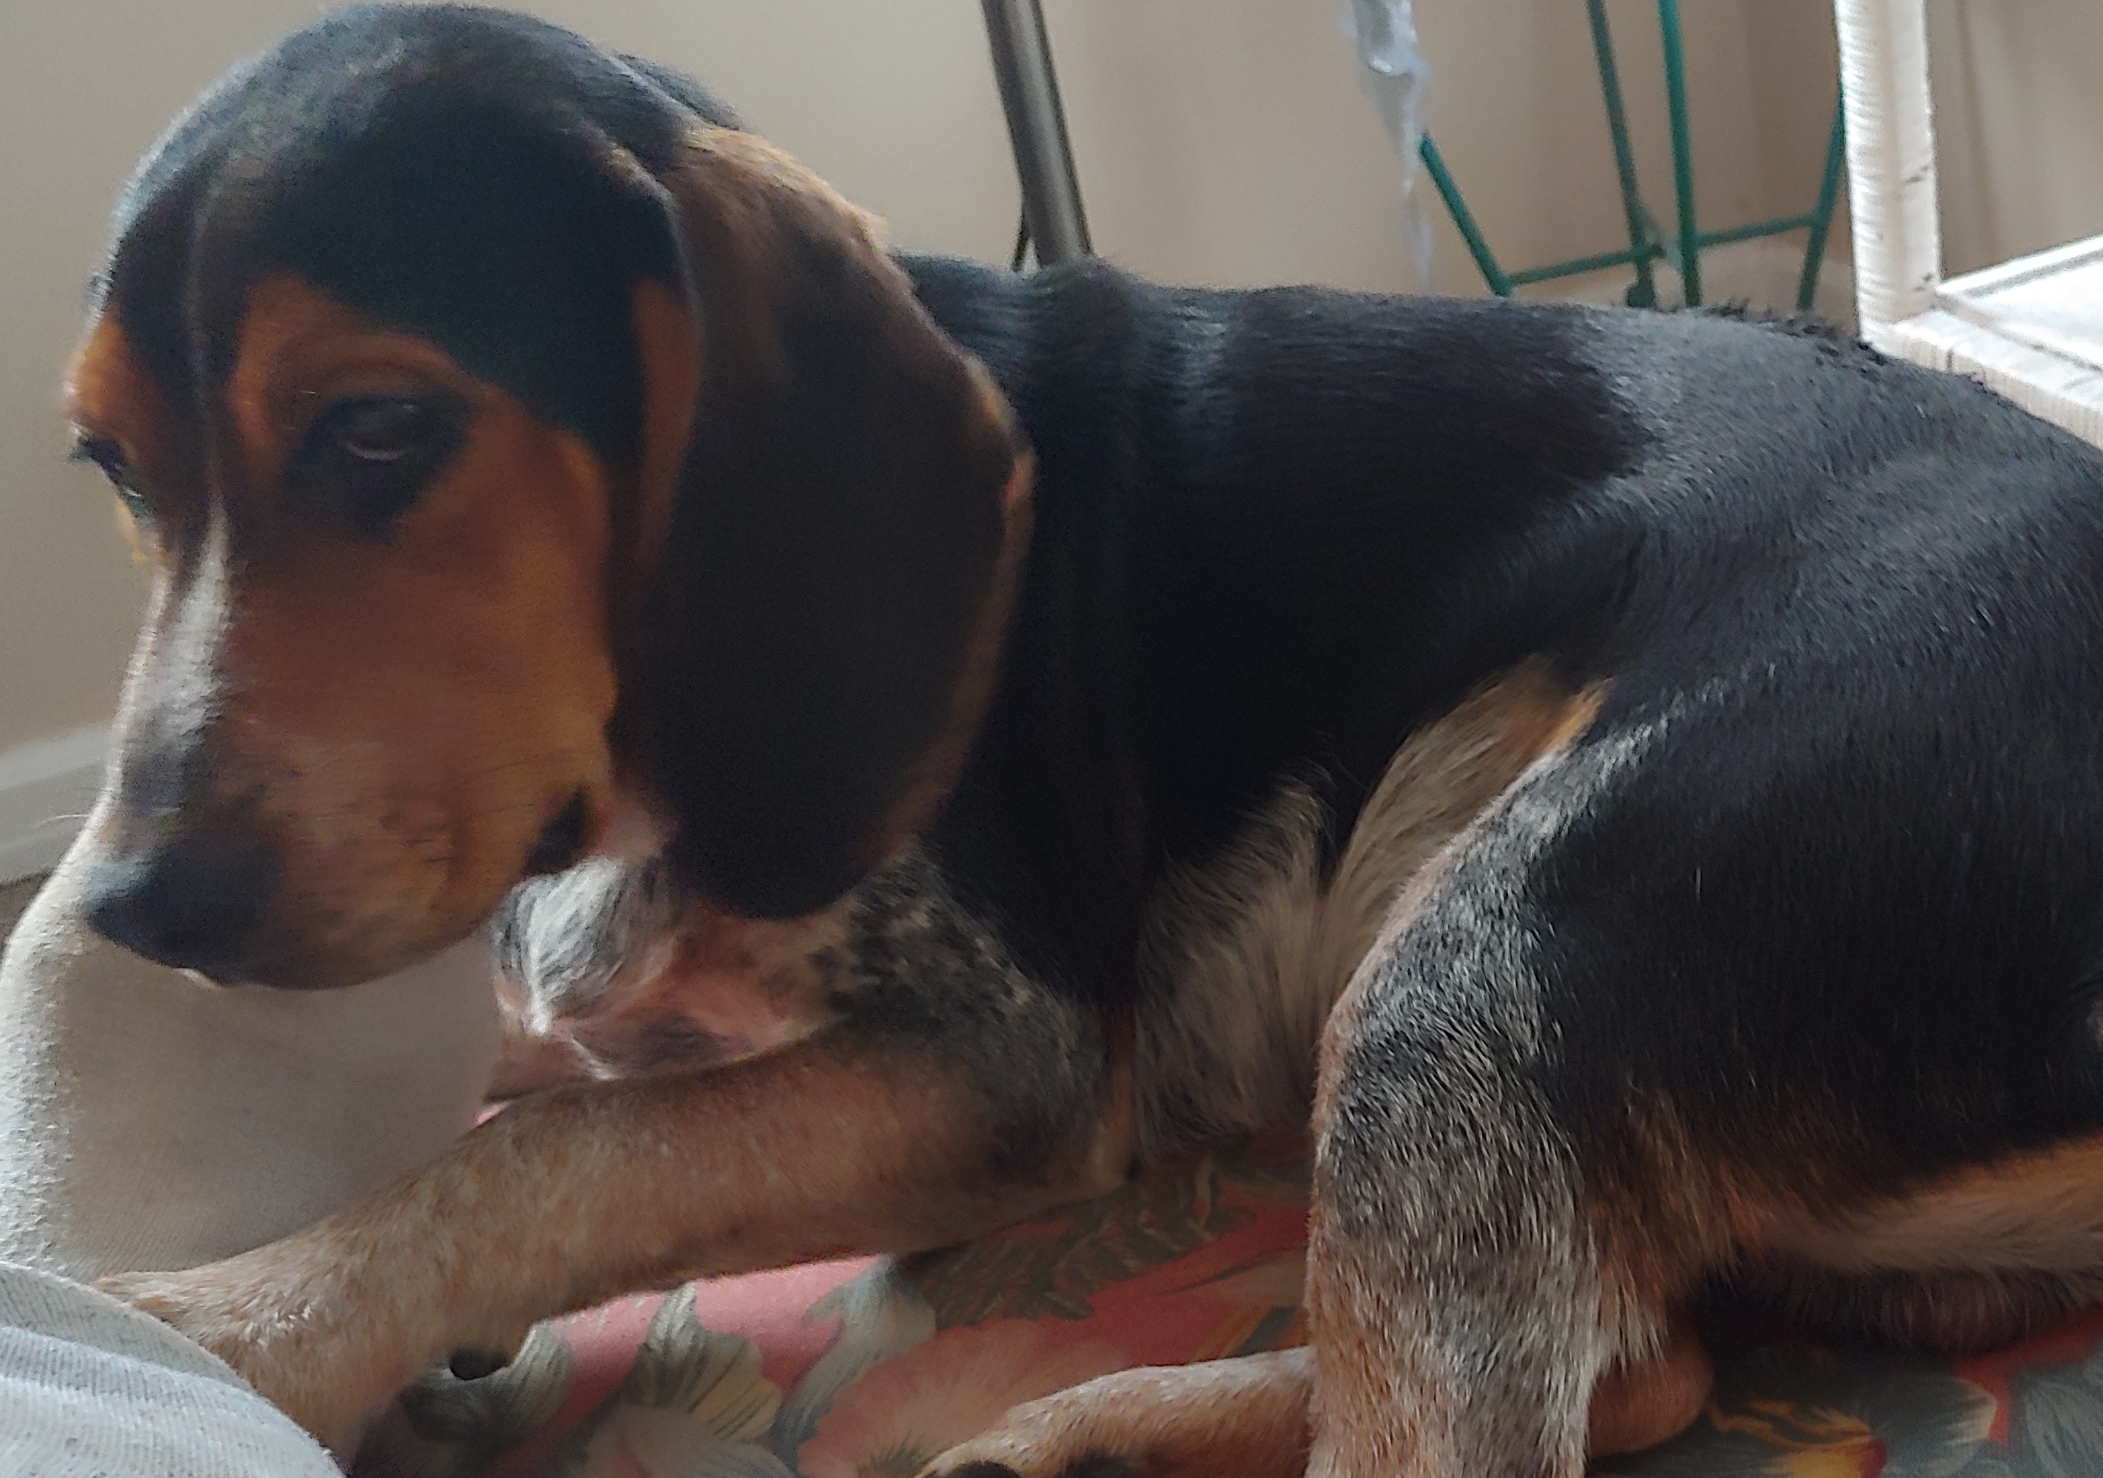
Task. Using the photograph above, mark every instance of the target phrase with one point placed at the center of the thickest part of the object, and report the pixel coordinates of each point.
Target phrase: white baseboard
(45, 791)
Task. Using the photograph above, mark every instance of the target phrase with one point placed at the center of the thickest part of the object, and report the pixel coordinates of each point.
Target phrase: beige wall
(1226, 140)
(1218, 141)
(2019, 125)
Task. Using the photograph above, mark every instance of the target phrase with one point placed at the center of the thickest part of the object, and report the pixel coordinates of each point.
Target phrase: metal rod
(1463, 218)
(1822, 213)
(1647, 244)
(1578, 266)
(1682, 152)
(1774, 227)
(1645, 293)
(1029, 94)
(1652, 250)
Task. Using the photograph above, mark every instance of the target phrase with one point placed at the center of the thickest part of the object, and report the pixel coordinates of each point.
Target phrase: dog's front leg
(852, 1142)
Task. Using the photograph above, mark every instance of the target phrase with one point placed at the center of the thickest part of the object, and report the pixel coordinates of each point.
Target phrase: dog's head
(515, 443)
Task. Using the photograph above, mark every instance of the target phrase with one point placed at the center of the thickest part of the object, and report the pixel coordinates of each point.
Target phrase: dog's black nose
(192, 904)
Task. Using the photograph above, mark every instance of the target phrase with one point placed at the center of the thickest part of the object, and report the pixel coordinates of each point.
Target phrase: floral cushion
(867, 1369)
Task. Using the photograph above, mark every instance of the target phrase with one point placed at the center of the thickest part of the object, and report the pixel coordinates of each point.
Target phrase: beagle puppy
(1628, 781)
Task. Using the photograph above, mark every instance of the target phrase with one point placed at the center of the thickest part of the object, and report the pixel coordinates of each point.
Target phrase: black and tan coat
(1631, 779)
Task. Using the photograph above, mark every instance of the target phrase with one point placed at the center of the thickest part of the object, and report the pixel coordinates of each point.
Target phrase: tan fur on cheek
(405, 714)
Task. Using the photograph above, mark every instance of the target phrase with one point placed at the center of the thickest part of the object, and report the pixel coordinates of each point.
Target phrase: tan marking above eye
(100, 381)
(301, 352)
(109, 397)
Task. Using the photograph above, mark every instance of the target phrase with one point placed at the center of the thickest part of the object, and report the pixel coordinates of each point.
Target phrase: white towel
(150, 1122)
(91, 1388)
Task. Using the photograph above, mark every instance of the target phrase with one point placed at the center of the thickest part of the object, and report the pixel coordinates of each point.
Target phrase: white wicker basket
(2031, 328)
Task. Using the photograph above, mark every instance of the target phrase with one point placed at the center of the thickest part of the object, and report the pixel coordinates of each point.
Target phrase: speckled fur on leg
(1462, 1302)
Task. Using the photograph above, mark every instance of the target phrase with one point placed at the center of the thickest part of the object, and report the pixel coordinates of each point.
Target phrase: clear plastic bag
(1392, 73)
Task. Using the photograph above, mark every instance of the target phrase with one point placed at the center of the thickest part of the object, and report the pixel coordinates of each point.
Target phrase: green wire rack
(1648, 245)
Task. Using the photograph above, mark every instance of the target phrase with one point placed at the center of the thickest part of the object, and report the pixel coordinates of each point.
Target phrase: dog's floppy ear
(847, 507)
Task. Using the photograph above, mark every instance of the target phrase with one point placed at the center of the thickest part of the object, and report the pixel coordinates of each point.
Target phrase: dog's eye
(383, 431)
(364, 462)
(109, 458)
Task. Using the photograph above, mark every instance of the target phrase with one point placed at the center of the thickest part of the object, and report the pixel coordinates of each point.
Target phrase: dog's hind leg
(1250, 1417)
(1498, 1246)
(1460, 1311)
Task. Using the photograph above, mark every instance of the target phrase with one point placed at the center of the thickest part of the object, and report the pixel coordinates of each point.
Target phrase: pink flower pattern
(907, 1411)
(861, 1370)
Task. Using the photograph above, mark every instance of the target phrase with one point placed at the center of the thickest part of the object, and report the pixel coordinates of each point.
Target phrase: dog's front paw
(1087, 1467)
(290, 1337)
(1246, 1416)
(970, 1461)
(1052, 1438)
